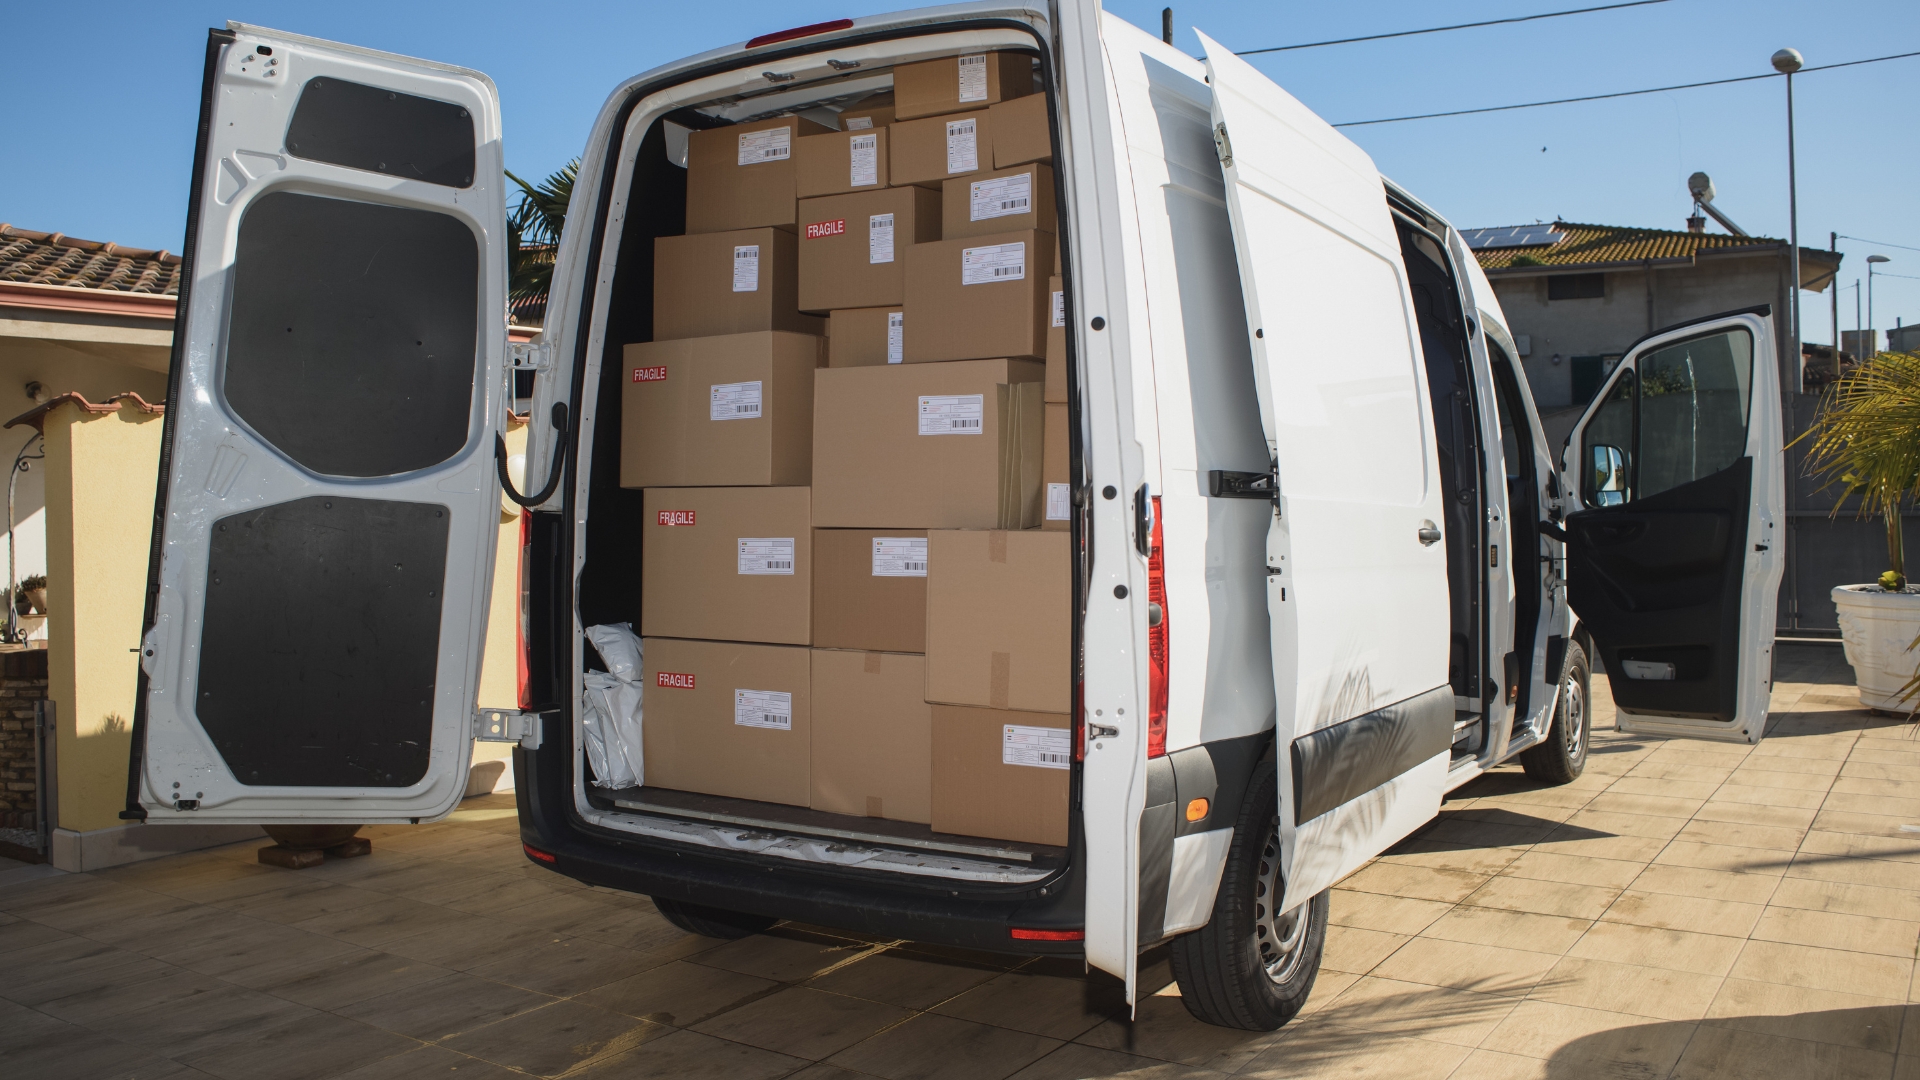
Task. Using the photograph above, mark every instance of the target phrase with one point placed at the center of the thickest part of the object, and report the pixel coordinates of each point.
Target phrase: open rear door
(328, 508)
(1357, 573)
(1674, 562)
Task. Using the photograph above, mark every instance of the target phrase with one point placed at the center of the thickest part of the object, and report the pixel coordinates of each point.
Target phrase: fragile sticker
(952, 414)
(963, 146)
(734, 401)
(896, 336)
(675, 517)
(763, 709)
(1059, 499)
(1059, 307)
(864, 164)
(973, 77)
(746, 268)
(899, 556)
(1039, 747)
(1002, 196)
(880, 238)
(766, 555)
(995, 262)
(650, 374)
(820, 229)
(675, 680)
(859, 123)
(773, 144)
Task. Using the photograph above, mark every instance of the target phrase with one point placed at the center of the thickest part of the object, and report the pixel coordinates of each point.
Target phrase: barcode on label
(899, 556)
(996, 262)
(1001, 196)
(880, 238)
(746, 268)
(863, 161)
(773, 144)
(765, 555)
(1039, 747)
(952, 414)
(973, 77)
(1059, 307)
(1059, 502)
(896, 336)
(763, 709)
(734, 401)
(963, 146)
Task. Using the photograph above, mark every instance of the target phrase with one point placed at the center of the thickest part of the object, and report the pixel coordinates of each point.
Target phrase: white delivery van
(1281, 364)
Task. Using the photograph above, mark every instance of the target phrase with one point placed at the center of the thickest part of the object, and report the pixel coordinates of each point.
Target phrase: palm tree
(533, 240)
(1866, 440)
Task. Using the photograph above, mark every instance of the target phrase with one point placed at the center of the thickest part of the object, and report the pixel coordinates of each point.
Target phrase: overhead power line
(1878, 243)
(1443, 29)
(1619, 94)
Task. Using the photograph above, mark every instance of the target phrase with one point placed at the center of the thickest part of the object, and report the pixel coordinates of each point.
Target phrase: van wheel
(1562, 755)
(1250, 967)
(712, 922)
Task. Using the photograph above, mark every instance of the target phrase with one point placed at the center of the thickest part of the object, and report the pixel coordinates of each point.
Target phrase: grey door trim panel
(1340, 763)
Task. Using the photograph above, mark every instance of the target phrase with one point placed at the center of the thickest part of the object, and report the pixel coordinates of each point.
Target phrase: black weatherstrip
(1337, 764)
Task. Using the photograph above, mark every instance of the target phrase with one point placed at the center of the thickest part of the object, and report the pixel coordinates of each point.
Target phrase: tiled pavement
(1685, 909)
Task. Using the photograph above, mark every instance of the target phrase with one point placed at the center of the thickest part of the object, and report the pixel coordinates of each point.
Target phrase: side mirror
(1608, 479)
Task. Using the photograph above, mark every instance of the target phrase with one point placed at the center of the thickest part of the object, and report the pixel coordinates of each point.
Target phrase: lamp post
(1873, 336)
(1786, 62)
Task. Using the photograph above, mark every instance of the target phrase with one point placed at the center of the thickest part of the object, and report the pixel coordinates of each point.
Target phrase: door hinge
(529, 355)
(1102, 731)
(1223, 145)
(507, 725)
(1226, 484)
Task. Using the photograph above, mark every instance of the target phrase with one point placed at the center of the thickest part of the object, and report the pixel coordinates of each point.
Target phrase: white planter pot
(1877, 627)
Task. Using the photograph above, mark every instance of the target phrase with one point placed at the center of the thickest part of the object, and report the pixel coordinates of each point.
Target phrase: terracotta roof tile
(1580, 245)
(38, 258)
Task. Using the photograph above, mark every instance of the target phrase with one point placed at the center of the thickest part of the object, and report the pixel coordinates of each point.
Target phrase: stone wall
(23, 681)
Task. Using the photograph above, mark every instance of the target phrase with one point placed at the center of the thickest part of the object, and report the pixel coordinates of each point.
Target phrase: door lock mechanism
(1102, 731)
(1429, 534)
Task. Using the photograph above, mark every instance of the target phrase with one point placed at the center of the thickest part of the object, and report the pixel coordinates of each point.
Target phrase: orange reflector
(536, 853)
(1023, 934)
(1196, 809)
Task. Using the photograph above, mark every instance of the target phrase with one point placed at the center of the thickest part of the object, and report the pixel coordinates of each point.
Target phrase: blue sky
(102, 99)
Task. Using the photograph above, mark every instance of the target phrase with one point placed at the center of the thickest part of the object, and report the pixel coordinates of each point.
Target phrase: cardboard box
(1002, 775)
(1056, 512)
(865, 337)
(873, 467)
(728, 564)
(931, 151)
(872, 735)
(952, 83)
(1056, 339)
(853, 247)
(1001, 201)
(871, 112)
(982, 296)
(718, 411)
(1021, 131)
(839, 162)
(999, 609)
(870, 590)
(709, 284)
(724, 718)
(742, 177)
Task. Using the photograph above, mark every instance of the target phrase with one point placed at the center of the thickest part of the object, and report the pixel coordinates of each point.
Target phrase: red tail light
(800, 32)
(1157, 642)
(521, 693)
(538, 855)
(1023, 934)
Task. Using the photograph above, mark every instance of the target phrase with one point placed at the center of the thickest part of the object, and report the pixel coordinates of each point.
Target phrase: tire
(1561, 757)
(711, 921)
(1229, 971)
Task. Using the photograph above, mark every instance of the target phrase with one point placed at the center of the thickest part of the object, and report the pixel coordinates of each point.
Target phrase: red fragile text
(676, 517)
(676, 679)
(650, 374)
(826, 228)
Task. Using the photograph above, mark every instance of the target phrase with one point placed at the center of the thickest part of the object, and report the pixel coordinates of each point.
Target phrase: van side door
(328, 509)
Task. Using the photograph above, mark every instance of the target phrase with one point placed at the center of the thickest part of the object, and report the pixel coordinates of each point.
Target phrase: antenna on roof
(1700, 186)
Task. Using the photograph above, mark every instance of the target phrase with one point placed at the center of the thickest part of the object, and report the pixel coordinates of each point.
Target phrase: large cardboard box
(1021, 131)
(724, 718)
(727, 563)
(952, 83)
(999, 609)
(1001, 201)
(708, 284)
(742, 177)
(982, 296)
(853, 247)
(1002, 775)
(839, 162)
(872, 735)
(875, 111)
(865, 337)
(870, 589)
(1056, 340)
(928, 446)
(1057, 500)
(718, 411)
(933, 150)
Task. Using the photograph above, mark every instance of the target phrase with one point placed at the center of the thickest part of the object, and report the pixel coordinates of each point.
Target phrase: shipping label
(952, 414)
(963, 146)
(1059, 307)
(880, 238)
(675, 680)
(763, 708)
(864, 164)
(773, 144)
(734, 401)
(899, 556)
(821, 229)
(1059, 501)
(1002, 196)
(1040, 747)
(766, 555)
(746, 268)
(896, 336)
(859, 123)
(650, 374)
(973, 77)
(675, 517)
(995, 262)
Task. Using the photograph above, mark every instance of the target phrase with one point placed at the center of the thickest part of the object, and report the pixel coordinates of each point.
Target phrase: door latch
(507, 725)
(1102, 731)
(1223, 145)
(1429, 534)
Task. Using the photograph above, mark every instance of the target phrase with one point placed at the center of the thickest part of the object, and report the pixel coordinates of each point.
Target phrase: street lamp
(1786, 62)
(1873, 336)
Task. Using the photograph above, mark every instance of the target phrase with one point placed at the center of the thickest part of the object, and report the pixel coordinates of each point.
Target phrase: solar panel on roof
(1512, 236)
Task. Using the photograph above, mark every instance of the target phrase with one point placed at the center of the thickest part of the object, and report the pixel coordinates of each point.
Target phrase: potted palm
(1866, 441)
